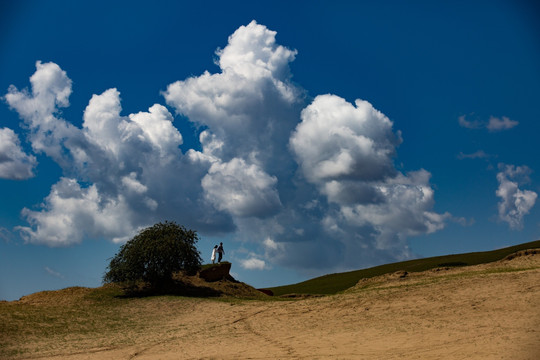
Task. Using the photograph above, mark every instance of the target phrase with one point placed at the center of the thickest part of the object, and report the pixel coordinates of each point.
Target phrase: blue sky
(310, 137)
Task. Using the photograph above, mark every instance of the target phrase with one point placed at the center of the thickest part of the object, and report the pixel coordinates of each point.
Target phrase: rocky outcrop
(267, 292)
(400, 274)
(215, 272)
(528, 252)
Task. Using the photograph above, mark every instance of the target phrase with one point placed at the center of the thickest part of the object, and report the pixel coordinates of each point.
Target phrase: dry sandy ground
(481, 312)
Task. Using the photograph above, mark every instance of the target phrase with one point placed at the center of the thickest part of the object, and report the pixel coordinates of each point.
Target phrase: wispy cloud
(53, 273)
(470, 124)
(6, 235)
(480, 154)
(494, 124)
(499, 124)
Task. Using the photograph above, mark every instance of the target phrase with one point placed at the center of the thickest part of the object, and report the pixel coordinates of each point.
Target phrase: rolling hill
(334, 283)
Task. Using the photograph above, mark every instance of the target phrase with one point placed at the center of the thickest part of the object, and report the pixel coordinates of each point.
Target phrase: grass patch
(334, 283)
(453, 264)
(208, 266)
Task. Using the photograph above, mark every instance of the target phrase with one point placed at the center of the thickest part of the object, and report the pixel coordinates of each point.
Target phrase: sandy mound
(228, 287)
(58, 297)
(184, 285)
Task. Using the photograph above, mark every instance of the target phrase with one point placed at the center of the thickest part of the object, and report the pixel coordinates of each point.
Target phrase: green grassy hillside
(334, 283)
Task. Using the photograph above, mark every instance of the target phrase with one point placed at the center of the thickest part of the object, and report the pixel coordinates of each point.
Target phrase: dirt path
(481, 312)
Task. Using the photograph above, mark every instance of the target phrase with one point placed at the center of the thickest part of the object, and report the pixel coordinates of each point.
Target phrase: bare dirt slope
(480, 312)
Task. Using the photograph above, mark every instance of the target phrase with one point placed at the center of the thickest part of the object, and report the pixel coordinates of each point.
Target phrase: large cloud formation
(296, 178)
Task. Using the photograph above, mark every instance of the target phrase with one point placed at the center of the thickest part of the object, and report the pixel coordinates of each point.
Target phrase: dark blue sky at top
(421, 63)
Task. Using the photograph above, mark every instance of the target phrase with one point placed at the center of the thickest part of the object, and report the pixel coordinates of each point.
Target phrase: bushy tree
(154, 255)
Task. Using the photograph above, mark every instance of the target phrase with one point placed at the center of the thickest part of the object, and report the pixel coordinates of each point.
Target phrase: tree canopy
(154, 254)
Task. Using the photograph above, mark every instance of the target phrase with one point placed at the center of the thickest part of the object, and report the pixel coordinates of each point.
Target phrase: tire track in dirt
(243, 320)
(288, 350)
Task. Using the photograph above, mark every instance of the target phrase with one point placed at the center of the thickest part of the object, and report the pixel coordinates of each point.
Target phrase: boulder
(215, 272)
(267, 292)
(400, 274)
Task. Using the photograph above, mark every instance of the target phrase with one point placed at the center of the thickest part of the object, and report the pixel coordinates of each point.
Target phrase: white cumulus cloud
(515, 203)
(253, 264)
(157, 128)
(136, 171)
(250, 107)
(253, 53)
(39, 108)
(71, 211)
(337, 140)
(347, 152)
(240, 188)
(15, 164)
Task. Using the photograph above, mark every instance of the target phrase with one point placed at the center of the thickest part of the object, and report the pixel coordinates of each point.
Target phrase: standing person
(214, 250)
(220, 252)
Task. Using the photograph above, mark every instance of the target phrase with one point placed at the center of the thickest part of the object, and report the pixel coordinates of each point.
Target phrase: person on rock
(214, 250)
(220, 252)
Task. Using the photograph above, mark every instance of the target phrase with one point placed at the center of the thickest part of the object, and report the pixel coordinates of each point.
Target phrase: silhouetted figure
(220, 252)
